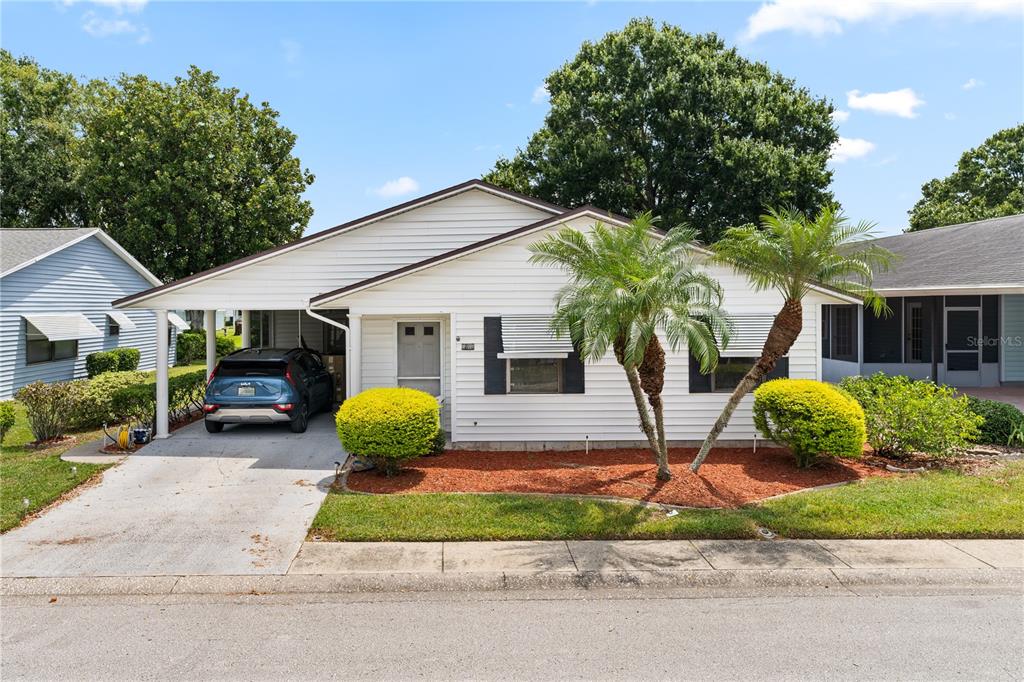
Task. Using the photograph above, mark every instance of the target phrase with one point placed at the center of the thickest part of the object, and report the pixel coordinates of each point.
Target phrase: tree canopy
(40, 112)
(185, 175)
(988, 183)
(655, 119)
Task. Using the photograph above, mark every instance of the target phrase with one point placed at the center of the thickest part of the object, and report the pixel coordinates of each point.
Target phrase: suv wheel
(299, 422)
(213, 427)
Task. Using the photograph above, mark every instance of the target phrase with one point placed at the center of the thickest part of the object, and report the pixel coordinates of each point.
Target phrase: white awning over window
(748, 336)
(121, 320)
(177, 321)
(63, 326)
(530, 336)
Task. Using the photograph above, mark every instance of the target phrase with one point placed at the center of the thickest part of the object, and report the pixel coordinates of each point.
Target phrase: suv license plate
(246, 391)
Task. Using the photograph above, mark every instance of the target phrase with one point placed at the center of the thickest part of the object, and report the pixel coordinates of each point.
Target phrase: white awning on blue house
(63, 326)
(122, 320)
(178, 321)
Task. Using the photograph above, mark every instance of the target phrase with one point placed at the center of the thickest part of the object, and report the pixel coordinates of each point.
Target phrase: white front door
(419, 356)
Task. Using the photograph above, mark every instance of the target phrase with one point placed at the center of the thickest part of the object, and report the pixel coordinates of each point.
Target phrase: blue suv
(267, 385)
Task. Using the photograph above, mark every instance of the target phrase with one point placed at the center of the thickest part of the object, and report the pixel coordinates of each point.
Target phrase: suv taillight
(212, 374)
(283, 407)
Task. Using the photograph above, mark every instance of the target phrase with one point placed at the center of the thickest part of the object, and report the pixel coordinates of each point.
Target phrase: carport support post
(246, 329)
(162, 429)
(210, 323)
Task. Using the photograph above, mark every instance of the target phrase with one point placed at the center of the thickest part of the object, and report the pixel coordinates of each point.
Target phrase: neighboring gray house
(56, 287)
(957, 301)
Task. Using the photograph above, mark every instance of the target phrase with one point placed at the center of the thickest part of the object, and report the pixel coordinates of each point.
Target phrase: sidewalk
(322, 567)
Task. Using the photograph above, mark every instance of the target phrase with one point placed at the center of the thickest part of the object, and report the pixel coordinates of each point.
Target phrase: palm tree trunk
(786, 327)
(641, 408)
(658, 405)
(652, 381)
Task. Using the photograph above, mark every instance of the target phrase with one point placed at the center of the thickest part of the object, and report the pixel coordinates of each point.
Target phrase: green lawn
(38, 474)
(229, 332)
(930, 505)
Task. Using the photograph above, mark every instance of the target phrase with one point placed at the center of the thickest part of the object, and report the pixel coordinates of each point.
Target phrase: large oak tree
(185, 175)
(655, 119)
(988, 183)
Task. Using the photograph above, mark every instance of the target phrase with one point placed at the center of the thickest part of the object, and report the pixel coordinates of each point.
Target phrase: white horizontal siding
(83, 278)
(500, 280)
(289, 280)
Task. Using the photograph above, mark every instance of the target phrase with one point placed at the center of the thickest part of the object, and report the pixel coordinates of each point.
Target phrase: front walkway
(239, 502)
(1005, 394)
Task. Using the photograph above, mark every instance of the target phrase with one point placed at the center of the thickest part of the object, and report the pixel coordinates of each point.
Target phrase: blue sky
(393, 100)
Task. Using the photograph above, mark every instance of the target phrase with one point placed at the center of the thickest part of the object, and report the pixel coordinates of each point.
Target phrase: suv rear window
(243, 368)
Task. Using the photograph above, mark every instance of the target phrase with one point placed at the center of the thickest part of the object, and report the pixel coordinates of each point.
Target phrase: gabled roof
(21, 247)
(589, 211)
(454, 190)
(466, 250)
(987, 254)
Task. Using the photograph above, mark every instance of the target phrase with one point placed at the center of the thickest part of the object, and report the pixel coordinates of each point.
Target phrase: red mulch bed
(730, 477)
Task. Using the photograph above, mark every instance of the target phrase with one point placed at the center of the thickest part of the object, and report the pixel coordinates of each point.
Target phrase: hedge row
(115, 360)
(54, 409)
(191, 347)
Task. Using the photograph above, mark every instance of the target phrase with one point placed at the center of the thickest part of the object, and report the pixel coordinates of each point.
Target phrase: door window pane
(534, 375)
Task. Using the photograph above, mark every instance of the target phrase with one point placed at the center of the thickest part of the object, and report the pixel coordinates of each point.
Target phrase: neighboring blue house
(56, 287)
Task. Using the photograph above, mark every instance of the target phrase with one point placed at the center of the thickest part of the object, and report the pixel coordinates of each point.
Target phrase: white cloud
(101, 27)
(397, 187)
(972, 83)
(540, 94)
(824, 17)
(900, 103)
(118, 6)
(840, 116)
(292, 50)
(847, 148)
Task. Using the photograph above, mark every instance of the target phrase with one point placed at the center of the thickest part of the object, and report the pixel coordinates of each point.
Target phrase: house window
(113, 328)
(728, 374)
(826, 331)
(915, 332)
(844, 333)
(535, 375)
(38, 348)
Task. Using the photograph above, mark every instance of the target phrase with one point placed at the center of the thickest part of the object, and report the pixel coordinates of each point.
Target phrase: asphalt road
(579, 635)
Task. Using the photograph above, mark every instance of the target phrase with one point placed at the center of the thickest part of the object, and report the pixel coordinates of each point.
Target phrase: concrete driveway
(238, 502)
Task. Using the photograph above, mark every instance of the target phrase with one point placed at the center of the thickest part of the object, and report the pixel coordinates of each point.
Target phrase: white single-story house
(956, 296)
(438, 294)
(56, 288)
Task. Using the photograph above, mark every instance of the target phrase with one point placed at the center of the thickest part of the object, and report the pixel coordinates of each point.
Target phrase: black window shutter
(990, 328)
(572, 374)
(699, 383)
(494, 367)
(781, 370)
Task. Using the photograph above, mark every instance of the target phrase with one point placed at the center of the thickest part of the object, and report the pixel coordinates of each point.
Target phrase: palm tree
(625, 285)
(790, 254)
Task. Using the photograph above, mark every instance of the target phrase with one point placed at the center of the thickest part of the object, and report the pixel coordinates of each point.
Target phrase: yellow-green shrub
(810, 417)
(389, 425)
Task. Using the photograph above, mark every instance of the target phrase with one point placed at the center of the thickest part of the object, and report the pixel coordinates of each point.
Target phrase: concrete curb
(728, 581)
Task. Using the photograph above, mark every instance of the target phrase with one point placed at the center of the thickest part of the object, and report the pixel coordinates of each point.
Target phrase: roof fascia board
(954, 290)
(391, 212)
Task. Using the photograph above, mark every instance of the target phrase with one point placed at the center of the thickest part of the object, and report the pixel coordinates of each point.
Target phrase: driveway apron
(233, 503)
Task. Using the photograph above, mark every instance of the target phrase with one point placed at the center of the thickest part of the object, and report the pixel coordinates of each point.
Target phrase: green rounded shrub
(810, 417)
(50, 407)
(389, 425)
(189, 347)
(7, 418)
(225, 346)
(127, 359)
(100, 362)
(905, 416)
(95, 405)
(1001, 420)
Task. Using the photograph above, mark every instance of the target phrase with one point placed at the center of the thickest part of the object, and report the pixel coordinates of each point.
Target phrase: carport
(330, 331)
